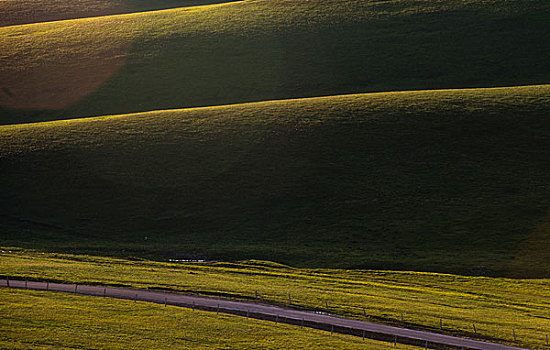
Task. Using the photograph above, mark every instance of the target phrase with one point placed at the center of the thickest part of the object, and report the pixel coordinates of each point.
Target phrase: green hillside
(453, 180)
(264, 50)
(15, 12)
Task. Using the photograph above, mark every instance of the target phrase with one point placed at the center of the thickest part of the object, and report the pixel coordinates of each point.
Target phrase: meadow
(264, 50)
(450, 181)
(42, 320)
(382, 159)
(497, 306)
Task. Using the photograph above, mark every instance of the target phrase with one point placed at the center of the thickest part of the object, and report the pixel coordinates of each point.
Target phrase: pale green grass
(496, 305)
(42, 320)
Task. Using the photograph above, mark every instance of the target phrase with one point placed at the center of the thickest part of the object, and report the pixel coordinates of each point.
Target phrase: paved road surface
(271, 313)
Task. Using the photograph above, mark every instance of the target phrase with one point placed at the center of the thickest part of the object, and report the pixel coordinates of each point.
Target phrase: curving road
(271, 313)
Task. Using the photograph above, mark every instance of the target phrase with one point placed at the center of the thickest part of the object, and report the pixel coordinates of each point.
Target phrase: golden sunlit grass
(42, 320)
(14, 12)
(497, 306)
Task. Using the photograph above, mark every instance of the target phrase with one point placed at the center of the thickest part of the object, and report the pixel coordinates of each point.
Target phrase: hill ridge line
(252, 103)
(67, 20)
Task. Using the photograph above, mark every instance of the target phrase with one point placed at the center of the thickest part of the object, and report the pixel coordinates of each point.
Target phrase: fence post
(547, 339)
(402, 318)
(75, 286)
(289, 299)
(426, 346)
(47, 285)
(277, 319)
(363, 335)
(364, 312)
(395, 341)
(8, 281)
(514, 333)
(135, 298)
(440, 323)
(331, 329)
(475, 330)
(104, 292)
(218, 310)
(326, 304)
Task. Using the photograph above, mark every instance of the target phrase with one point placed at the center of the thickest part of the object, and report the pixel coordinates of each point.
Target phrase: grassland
(41, 320)
(16, 12)
(496, 305)
(449, 181)
(264, 50)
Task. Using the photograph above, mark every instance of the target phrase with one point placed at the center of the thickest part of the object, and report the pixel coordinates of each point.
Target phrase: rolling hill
(263, 50)
(16, 12)
(450, 180)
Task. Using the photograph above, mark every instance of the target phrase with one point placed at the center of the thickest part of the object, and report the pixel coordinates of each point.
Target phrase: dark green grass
(263, 50)
(453, 181)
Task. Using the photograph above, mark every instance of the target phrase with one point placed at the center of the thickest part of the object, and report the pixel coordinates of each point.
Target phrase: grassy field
(263, 50)
(15, 12)
(339, 187)
(41, 320)
(448, 181)
(496, 305)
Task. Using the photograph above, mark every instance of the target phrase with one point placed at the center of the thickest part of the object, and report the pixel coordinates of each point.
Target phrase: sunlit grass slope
(14, 12)
(263, 50)
(455, 181)
(496, 305)
(41, 320)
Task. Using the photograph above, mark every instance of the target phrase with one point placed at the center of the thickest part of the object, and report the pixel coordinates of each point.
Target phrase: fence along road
(270, 313)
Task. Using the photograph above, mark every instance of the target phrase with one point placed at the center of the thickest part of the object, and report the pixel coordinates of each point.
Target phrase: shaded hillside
(263, 50)
(454, 181)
